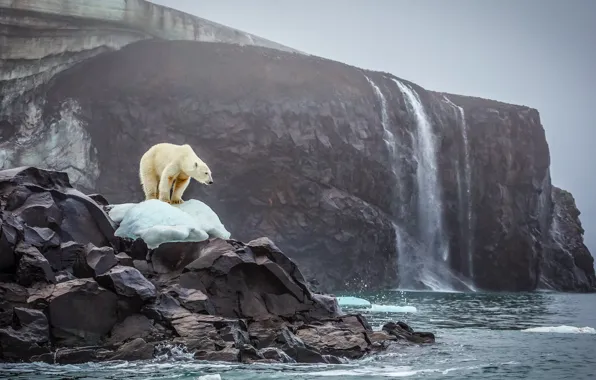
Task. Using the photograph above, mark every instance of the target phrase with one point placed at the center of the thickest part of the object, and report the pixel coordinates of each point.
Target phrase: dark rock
(81, 355)
(249, 354)
(136, 349)
(239, 282)
(41, 237)
(127, 282)
(227, 354)
(403, 331)
(81, 312)
(65, 256)
(29, 335)
(99, 199)
(144, 267)
(171, 257)
(64, 276)
(95, 262)
(567, 264)
(295, 348)
(124, 260)
(33, 266)
(134, 326)
(193, 299)
(275, 354)
(45, 201)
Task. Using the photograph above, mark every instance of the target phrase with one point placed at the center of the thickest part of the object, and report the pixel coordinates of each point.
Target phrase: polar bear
(164, 165)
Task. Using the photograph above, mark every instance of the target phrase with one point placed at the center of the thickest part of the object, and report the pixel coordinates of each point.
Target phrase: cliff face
(365, 179)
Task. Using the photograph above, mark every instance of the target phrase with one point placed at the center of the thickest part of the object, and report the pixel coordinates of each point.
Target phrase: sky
(537, 53)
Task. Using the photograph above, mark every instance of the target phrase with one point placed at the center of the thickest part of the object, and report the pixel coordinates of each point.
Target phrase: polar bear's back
(163, 154)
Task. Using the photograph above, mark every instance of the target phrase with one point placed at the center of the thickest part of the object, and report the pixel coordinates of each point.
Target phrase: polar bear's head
(200, 172)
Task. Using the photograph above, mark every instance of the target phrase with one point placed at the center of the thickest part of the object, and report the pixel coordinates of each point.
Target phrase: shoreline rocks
(72, 292)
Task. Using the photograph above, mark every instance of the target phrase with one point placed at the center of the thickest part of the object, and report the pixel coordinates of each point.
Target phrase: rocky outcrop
(221, 299)
(567, 264)
(368, 180)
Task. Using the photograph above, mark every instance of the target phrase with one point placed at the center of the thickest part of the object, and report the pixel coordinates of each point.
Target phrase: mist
(538, 53)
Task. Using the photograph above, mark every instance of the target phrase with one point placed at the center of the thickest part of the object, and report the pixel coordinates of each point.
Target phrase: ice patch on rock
(157, 222)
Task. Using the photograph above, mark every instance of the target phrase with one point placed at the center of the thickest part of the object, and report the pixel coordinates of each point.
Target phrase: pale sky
(538, 53)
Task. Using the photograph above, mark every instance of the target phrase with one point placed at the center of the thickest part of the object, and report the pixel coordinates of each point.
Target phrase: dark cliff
(367, 179)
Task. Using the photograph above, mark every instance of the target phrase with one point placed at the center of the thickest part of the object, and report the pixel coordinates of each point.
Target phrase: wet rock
(227, 354)
(134, 326)
(137, 349)
(295, 348)
(127, 282)
(33, 267)
(81, 355)
(275, 354)
(28, 336)
(405, 332)
(81, 312)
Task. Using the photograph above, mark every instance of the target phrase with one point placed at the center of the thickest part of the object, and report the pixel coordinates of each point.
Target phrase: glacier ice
(157, 222)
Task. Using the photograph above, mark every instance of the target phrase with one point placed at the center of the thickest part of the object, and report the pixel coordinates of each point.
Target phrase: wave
(563, 329)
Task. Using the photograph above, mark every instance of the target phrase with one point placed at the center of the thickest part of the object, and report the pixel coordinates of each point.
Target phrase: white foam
(563, 329)
(157, 222)
(210, 377)
(392, 309)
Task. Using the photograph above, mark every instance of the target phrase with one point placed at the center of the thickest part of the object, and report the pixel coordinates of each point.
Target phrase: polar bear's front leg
(165, 183)
(179, 187)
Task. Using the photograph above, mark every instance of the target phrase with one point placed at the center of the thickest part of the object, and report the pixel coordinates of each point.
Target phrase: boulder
(127, 282)
(28, 336)
(33, 266)
(94, 261)
(136, 349)
(81, 312)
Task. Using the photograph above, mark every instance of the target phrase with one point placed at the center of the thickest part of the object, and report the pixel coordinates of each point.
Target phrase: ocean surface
(539, 336)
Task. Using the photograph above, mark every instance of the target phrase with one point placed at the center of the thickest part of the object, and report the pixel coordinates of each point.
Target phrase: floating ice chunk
(157, 222)
(392, 309)
(352, 302)
(562, 329)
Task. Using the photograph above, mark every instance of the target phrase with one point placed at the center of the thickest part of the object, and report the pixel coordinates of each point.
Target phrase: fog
(539, 53)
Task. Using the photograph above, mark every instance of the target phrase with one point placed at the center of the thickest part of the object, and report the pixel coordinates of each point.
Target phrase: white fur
(165, 165)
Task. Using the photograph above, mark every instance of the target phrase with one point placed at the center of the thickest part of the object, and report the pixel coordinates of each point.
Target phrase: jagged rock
(81, 312)
(33, 266)
(171, 257)
(127, 282)
(192, 299)
(27, 337)
(275, 354)
(227, 354)
(134, 326)
(239, 282)
(94, 262)
(65, 256)
(124, 260)
(137, 349)
(295, 348)
(403, 331)
(81, 355)
(224, 300)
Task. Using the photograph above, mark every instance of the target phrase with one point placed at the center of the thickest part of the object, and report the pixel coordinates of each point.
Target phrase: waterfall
(433, 250)
(391, 142)
(465, 196)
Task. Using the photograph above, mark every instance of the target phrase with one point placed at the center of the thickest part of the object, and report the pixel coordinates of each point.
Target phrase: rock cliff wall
(366, 179)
